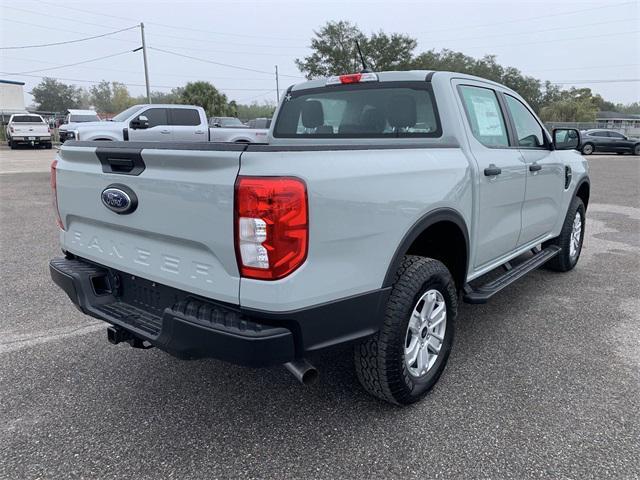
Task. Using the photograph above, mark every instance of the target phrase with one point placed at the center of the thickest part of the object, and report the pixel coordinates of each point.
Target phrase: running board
(485, 292)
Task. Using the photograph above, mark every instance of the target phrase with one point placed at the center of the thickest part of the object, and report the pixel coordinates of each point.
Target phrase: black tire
(636, 150)
(587, 149)
(563, 262)
(379, 359)
(49, 146)
(620, 153)
(13, 146)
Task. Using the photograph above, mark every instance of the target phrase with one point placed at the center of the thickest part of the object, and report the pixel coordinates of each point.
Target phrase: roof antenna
(365, 68)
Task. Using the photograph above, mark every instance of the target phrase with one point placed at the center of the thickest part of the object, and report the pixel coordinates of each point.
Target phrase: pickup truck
(73, 120)
(380, 202)
(163, 123)
(27, 129)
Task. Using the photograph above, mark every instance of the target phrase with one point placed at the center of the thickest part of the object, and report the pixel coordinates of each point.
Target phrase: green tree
(335, 52)
(575, 105)
(205, 95)
(50, 95)
(256, 110)
(111, 97)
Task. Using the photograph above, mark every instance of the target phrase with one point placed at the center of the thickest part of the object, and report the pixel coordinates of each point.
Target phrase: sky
(593, 44)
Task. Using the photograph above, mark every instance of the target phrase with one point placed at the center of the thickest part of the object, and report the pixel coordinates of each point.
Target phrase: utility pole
(277, 87)
(146, 67)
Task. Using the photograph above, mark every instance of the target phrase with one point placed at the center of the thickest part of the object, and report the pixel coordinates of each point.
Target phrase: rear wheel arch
(441, 234)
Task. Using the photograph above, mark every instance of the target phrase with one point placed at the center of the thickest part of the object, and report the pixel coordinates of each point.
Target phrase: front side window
(185, 117)
(394, 109)
(616, 135)
(156, 116)
(484, 115)
(528, 130)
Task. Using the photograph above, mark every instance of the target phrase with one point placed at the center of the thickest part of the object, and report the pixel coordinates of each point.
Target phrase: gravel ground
(544, 381)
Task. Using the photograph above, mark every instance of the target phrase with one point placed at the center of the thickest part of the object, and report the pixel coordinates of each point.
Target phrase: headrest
(373, 120)
(312, 114)
(401, 111)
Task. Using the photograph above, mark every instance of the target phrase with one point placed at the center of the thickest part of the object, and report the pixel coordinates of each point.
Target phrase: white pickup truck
(28, 129)
(164, 123)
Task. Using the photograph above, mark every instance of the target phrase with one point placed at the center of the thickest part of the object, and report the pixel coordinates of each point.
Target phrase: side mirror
(140, 123)
(566, 138)
(216, 125)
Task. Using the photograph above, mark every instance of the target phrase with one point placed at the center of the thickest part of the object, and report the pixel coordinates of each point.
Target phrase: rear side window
(156, 116)
(528, 130)
(485, 116)
(27, 119)
(185, 117)
(398, 109)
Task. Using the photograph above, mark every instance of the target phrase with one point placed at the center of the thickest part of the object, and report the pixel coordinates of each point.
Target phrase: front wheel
(405, 359)
(636, 149)
(570, 238)
(587, 149)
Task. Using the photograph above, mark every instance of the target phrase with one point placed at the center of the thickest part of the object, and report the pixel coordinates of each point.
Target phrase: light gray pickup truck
(380, 201)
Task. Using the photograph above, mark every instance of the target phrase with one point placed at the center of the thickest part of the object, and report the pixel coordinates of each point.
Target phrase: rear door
(180, 234)
(187, 126)
(544, 172)
(501, 173)
(158, 130)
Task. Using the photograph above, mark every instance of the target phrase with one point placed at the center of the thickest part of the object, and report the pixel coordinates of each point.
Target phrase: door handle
(199, 132)
(534, 167)
(165, 131)
(492, 170)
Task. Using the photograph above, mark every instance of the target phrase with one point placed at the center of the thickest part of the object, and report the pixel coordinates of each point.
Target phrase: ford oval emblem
(119, 199)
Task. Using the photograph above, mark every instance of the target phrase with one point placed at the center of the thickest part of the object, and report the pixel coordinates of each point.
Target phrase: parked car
(28, 129)
(163, 123)
(380, 201)
(601, 140)
(73, 119)
(259, 123)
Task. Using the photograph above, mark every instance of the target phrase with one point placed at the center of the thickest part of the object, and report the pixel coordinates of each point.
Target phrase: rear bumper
(189, 326)
(26, 140)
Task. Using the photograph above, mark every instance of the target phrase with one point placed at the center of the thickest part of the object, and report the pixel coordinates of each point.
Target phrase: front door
(158, 130)
(501, 173)
(544, 171)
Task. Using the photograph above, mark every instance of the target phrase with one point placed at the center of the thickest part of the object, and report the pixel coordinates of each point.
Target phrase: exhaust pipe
(304, 372)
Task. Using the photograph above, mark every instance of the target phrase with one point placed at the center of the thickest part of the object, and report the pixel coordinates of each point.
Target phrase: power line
(190, 29)
(73, 64)
(124, 83)
(576, 82)
(221, 64)
(68, 41)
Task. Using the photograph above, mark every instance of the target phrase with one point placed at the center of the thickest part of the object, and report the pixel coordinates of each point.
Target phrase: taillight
(271, 226)
(352, 78)
(54, 193)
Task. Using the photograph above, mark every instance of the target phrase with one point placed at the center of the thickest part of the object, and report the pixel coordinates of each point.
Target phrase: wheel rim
(637, 151)
(576, 236)
(588, 149)
(425, 333)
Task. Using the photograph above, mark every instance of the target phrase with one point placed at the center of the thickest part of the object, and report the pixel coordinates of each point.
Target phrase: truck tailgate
(180, 234)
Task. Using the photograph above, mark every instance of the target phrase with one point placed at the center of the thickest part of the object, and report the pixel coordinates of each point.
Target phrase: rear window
(185, 117)
(380, 110)
(27, 119)
(83, 118)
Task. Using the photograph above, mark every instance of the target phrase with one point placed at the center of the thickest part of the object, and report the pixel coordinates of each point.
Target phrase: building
(627, 122)
(11, 99)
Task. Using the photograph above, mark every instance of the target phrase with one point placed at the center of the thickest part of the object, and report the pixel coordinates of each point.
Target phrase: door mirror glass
(566, 138)
(140, 123)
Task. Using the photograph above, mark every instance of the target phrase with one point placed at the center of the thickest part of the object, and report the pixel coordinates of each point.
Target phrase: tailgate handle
(124, 165)
(125, 161)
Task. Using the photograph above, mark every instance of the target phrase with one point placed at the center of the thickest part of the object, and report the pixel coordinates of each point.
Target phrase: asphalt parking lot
(544, 381)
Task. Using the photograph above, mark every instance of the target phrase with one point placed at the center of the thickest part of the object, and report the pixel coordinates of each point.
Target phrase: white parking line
(11, 343)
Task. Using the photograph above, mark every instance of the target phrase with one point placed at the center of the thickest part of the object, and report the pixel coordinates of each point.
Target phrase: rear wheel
(587, 149)
(570, 238)
(636, 149)
(405, 359)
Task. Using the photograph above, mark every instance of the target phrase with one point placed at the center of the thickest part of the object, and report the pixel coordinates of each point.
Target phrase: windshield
(84, 118)
(27, 119)
(380, 110)
(122, 116)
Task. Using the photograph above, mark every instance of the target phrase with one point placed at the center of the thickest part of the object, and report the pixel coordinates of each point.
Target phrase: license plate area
(145, 294)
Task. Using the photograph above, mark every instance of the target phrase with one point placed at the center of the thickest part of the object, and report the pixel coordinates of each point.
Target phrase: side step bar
(485, 292)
